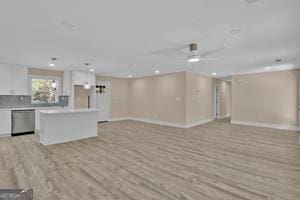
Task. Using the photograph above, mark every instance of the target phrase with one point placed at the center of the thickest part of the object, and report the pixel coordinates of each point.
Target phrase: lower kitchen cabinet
(5, 123)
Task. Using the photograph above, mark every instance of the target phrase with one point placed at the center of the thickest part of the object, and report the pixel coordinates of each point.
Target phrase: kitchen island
(64, 125)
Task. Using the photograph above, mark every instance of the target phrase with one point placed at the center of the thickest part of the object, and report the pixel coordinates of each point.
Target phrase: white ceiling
(139, 36)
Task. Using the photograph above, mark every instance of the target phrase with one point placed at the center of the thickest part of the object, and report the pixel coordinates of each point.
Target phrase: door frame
(216, 102)
(108, 96)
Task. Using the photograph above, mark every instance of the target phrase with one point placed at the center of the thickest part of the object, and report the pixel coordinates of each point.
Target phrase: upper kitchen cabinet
(67, 83)
(79, 78)
(13, 80)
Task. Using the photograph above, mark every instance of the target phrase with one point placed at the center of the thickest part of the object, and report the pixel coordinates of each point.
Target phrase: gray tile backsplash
(16, 101)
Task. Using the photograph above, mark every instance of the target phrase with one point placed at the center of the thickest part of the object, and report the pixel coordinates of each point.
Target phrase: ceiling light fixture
(92, 70)
(267, 68)
(194, 54)
(156, 72)
(194, 59)
(52, 64)
(53, 85)
(214, 74)
(86, 84)
(129, 76)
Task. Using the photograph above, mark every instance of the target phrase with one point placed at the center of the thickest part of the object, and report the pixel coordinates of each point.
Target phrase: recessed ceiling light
(156, 72)
(214, 74)
(92, 70)
(267, 68)
(130, 76)
(193, 59)
(235, 31)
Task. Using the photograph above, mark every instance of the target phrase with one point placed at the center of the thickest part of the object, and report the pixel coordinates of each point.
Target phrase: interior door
(102, 101)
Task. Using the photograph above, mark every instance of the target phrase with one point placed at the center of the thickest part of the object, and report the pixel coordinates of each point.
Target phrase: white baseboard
(5, 135)
(267, 125)
(165, 123)
(197, 123)
(225, 116)
(118, 119)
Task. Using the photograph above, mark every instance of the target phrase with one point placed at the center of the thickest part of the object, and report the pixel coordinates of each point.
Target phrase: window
(45, 90)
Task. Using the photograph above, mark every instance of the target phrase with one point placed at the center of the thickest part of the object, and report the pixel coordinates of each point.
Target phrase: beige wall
(183, 98)
(45, 72)
(224, 97)
(160, 97)
(199, 94)
(266, 97)
(119, 96)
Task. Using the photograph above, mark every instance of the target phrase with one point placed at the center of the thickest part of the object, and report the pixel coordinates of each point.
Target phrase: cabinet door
(37, 119)
(92, 79)
(5, 122)
(20, 80)
(78, 78)
(67, 83)
(5, 80)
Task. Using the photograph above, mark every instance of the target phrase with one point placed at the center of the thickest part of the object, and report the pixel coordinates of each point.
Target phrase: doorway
(103, 101)
(216, 102)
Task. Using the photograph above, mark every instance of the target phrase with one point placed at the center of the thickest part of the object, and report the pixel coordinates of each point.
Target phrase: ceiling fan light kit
(193, 59)
(194, 54)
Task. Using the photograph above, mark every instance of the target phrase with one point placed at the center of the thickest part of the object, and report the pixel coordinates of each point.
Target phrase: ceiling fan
(188, 53)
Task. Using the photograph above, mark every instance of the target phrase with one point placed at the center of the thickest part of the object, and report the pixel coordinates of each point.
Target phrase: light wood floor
(133, 160)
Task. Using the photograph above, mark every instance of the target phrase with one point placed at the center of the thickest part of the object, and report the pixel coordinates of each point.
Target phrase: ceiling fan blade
(209, 59)
(168, 50)
(212, 51)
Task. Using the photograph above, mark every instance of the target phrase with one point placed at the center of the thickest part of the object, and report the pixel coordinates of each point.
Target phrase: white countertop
(67, 111)
(30, 108)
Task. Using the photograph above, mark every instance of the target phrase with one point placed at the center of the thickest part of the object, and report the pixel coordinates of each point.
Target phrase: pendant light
(53, 85)
(86, 84)
(52, 64)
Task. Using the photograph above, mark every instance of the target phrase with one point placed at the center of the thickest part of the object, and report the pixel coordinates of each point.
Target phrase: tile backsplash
(17, 101)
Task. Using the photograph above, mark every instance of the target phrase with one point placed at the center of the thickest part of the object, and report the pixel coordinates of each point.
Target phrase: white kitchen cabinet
(37, 120)
(5, 123)
(92, 79)
(79, 78)
(20, 80)
(67, 83)
(37, 115)
(5, 80)
(13, 80)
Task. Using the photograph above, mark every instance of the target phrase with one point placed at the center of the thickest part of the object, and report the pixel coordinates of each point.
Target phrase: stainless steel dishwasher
(23, 122)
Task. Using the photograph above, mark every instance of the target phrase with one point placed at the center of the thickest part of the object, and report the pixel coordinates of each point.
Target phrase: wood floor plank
(133, 160)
